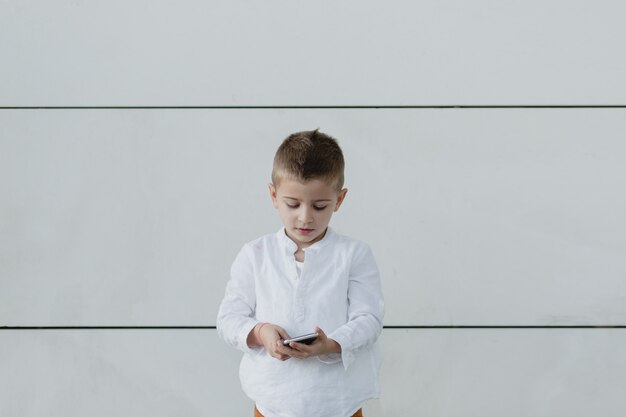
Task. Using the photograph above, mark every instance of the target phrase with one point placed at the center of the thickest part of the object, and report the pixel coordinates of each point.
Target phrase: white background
(136, 141)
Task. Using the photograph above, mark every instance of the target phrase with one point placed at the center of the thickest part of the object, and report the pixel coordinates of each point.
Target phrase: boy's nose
(305, 216)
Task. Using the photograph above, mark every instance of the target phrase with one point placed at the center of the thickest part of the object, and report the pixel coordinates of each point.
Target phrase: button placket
(297, 308)
(298, 298)
(301, 288)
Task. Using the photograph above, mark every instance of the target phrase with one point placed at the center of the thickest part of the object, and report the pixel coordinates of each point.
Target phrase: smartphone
(307, 339)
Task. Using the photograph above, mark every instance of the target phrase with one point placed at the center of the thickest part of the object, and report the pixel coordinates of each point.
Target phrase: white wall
(150, 52)
(127, 210)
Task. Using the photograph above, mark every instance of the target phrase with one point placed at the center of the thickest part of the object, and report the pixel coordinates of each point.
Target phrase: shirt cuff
(243, 338)
(347, 354)
(330, 358)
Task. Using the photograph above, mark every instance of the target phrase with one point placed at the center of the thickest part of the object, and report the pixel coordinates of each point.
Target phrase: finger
(282, 349)
(282, 333)
(302, 350)
(301, 347)
(279, 355)
(320, 332)
(299, 355)
(280, 345)
(320, 335)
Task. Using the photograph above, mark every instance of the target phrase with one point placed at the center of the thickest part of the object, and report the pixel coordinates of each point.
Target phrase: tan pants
(359, 413)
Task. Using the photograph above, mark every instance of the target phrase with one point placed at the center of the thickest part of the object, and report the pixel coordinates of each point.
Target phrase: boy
(305, 278)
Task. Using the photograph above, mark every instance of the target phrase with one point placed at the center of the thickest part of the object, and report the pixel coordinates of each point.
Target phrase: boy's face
(305, 208)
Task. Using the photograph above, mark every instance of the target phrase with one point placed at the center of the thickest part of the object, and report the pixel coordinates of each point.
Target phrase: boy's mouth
(305, 231)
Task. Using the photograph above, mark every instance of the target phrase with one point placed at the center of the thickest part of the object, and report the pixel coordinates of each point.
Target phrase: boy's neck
(299, 255)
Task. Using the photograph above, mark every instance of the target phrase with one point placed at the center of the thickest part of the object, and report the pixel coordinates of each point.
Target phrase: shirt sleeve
(366, 308)
(235, 318)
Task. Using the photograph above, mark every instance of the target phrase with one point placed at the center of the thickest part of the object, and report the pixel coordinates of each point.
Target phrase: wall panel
(240, 53)
(476, 216)
(437, 373)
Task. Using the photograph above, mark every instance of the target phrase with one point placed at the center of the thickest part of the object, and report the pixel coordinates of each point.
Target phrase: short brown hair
(309, 155)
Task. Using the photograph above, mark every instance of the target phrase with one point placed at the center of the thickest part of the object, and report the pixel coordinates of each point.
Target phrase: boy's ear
(272, 190)
(342, 195)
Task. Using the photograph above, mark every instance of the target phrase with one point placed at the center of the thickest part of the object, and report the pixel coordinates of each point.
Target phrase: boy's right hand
(272, 337)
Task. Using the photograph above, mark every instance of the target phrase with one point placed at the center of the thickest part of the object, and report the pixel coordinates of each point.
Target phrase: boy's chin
(307, 238)
(312, 237)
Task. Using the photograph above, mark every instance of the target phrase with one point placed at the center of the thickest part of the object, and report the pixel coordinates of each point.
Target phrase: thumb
(321, 333)
(282, 332)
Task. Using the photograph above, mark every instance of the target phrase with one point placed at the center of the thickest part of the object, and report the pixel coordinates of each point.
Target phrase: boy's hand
(321, 346)
(272, 337)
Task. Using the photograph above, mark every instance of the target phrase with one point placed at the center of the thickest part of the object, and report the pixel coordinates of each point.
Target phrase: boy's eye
(295, 206)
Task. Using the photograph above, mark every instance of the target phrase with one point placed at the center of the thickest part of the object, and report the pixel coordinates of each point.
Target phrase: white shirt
(338, 290)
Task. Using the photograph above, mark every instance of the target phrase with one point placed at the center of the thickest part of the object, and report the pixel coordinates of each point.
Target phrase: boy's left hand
(321, 346)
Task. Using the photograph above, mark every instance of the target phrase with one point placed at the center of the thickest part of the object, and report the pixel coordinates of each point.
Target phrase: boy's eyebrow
(317, 201)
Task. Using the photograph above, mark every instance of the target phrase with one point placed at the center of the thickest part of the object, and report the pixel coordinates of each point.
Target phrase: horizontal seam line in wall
(385, 327)
(446, 106)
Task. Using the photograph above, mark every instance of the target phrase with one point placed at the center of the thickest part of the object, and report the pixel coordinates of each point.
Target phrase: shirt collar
(291, 246)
